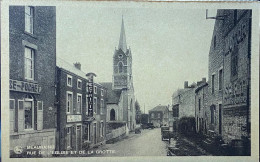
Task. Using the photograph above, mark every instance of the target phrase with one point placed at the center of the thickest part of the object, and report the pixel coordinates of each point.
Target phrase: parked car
(138, 129)
(148, 126)
(164, 128)
(165, 135)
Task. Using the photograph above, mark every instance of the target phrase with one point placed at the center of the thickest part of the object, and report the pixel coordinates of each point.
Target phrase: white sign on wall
(73, 118)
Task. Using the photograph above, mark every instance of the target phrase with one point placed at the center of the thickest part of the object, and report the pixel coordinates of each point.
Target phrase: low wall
(115, 134)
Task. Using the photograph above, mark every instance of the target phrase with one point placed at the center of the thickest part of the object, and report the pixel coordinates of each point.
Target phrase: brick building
(71, 103)
(159, 115)
(229, 74)
(78, 128)
(32, 40)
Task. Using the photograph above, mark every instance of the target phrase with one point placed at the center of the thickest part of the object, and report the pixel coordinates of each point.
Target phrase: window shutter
(12, 114)
(20, 115)
(39, 115)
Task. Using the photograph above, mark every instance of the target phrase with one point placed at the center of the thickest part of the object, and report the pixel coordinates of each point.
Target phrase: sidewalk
(189, 147)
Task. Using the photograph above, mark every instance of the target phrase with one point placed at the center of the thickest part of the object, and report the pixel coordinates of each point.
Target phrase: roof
(160, 108)
(122, 39)
(113, 96)
(200, 87)
(71, 68)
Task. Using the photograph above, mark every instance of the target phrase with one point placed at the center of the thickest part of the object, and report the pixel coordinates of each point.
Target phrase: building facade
(71, 103)
(201, 108)
(78, 127)
(121, 98)
(230, 84)
(32, 40)
(159, 116)
(183, 101)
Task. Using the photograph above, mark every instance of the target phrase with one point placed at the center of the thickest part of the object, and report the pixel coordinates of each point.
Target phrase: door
(12, 114)
(220, 119)
(39, 115)
(78, 137)
(95, 133)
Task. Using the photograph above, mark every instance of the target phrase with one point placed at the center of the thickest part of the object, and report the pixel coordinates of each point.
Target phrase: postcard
(129, 81)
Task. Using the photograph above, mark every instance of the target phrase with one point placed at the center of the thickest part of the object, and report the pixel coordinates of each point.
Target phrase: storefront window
(28, 114)
(87, 132)
(69, 137)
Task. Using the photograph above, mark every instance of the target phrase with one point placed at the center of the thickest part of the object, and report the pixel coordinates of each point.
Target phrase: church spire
(122, 39)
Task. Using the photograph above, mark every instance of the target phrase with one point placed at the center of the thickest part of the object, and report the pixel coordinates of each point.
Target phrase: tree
(138, 112)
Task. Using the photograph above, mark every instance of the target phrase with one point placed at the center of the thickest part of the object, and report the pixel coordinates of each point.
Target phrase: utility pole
(144, 108)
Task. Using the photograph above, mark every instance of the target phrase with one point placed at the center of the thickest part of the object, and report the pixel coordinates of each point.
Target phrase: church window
(120, 67)
(112, 115)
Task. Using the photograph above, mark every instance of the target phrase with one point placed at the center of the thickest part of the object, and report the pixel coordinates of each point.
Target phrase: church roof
(122, 39)
(160, 108)
(113, 96)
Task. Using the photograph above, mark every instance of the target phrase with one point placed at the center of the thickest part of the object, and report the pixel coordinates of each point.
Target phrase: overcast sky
(168, 45)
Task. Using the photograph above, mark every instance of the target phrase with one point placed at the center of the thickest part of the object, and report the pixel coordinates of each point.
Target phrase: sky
(169, 46)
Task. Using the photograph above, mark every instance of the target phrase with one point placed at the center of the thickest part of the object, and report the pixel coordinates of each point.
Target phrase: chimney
(204, 80)
(186, 84)
(77, 65)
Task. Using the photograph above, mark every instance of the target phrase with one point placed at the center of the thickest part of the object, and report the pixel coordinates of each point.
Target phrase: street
(148, 143)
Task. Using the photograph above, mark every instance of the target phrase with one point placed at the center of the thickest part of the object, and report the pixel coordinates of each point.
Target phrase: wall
(43, 41)
(202, 114)
(236, 95)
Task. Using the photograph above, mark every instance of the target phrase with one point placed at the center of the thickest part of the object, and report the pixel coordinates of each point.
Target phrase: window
(86, 104)
(12, 114)
(213, 83)
(68, 137)
(79, 84)
(234, 63)
(39, 115)
(101, 106)
(28, 114)
(235, 16)
(95, 105)
(212, 113)
(79, 103)
(101, 129)
(69, 102)
(220, 79)
(215, 42)
(199, 104)
(152, 115)
(158, 115)
(29, 11)
(120, 67)
(87, 132)
(29, 63)
(175, 111)
(95, 89)
(102, 92)
(69, 80)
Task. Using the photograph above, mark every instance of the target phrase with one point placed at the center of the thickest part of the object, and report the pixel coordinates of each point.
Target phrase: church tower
(122, 64)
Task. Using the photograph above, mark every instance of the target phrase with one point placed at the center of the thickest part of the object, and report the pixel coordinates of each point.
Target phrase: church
(120, 92)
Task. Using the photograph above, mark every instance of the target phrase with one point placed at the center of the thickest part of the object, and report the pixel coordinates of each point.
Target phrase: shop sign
(90, 96)
(73, 118)
(236, 37)
(236, 92)
(22, 86)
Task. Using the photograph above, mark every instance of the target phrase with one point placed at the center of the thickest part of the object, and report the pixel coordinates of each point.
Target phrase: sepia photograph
(130, 80)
